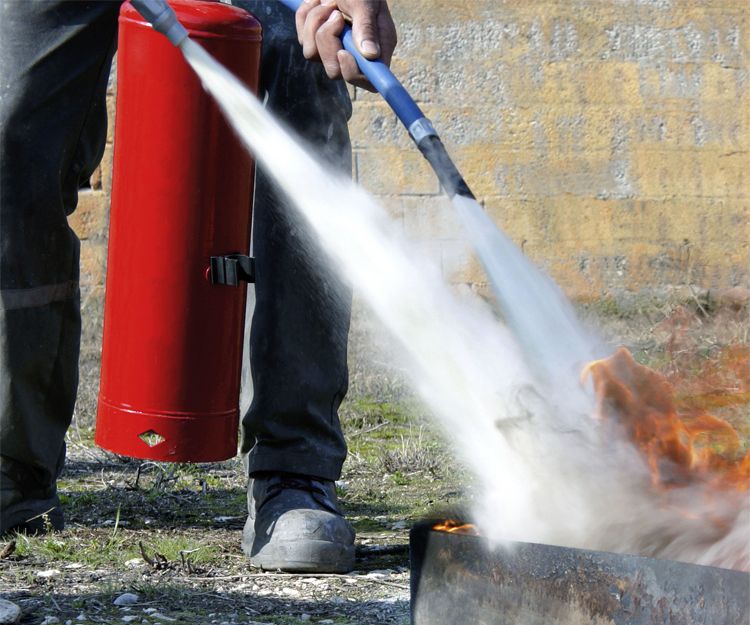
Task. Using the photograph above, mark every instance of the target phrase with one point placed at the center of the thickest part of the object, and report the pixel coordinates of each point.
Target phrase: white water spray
(547, 473)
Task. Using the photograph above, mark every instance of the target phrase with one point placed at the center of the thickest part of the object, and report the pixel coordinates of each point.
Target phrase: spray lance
(164, 20)
(421, 130)
(406, 109)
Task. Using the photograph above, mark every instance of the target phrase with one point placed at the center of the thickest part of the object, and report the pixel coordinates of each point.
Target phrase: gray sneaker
(295, 525)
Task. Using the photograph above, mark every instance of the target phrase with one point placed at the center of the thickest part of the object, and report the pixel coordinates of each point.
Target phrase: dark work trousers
(299, 332)
(55, 59)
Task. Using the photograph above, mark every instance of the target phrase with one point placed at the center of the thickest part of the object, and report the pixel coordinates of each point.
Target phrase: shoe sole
(309, 556)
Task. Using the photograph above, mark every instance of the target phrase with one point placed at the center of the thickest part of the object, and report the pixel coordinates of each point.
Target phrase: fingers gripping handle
(387, 85)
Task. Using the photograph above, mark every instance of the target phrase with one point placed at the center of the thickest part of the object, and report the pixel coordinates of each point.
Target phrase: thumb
(365, 27)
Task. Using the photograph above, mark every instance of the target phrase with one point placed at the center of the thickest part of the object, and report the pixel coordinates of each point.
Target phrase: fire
(456, 527)
(680, 440)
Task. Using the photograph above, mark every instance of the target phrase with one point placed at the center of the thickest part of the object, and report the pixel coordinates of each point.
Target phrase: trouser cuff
(273, 461)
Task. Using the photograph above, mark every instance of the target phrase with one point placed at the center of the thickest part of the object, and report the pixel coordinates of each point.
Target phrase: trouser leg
(300, 327)
(54, 65)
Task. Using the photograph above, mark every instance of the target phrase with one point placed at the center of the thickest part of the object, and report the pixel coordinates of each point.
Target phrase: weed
(366, 525)
(414, 455)
(177, 547)
(399, 479)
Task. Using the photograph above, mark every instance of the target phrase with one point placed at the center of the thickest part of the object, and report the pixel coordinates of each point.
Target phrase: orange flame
(681, 442)
(456, 527)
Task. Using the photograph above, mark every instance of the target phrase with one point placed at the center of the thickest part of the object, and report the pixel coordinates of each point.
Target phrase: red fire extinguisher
(179, 234)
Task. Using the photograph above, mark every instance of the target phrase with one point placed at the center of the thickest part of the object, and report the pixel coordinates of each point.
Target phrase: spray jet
(534, 312)
(537, 310)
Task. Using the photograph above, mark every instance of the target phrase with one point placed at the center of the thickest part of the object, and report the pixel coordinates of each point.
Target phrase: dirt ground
(170, 535)
(163, 540)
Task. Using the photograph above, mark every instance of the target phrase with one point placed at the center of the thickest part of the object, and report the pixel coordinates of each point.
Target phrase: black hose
(452, 181)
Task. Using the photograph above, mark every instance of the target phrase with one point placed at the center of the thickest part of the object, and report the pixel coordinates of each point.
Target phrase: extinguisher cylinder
(182, 188)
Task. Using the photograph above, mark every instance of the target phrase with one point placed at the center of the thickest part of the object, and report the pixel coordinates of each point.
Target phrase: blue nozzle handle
(420, 128)
(161, 16)
(387, 85)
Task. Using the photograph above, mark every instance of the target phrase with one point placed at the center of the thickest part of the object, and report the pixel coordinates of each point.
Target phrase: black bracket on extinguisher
(232, 269)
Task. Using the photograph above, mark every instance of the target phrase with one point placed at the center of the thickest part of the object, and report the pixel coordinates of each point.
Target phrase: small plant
(412, 456)
(399, 479)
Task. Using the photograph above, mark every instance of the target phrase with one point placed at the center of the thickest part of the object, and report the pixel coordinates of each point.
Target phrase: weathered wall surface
(91, 217)
(609, 138)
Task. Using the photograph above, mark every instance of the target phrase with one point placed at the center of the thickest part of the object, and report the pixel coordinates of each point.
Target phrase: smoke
(510, 402)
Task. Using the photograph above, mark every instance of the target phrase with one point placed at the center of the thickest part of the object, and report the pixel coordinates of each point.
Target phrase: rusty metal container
(460, 579)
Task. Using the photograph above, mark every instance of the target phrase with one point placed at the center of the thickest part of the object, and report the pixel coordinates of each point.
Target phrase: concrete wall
(609, 138)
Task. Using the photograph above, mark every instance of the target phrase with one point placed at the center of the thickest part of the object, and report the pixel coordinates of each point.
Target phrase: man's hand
(319, 27)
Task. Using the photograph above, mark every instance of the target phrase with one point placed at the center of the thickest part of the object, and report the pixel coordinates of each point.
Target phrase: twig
(697, 301)
(139, 472)
(218, 578)
(382, 550)
(8, 550)
(137, 476)
(187, 563)
(358, 578)
(215, 596)
(148, 560)
(41, 514)
(372, 429)
(372, 580)
(117, 524)
(166, 477)
(159, 562)
(267, 574)
(101, 478)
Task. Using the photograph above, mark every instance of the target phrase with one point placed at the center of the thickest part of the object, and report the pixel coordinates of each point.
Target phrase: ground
(169, 534)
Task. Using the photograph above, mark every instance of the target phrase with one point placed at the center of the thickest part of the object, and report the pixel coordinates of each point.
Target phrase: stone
(49, 620)
(9, 612)
(46, 574)
(735, 298)
(127, 598)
